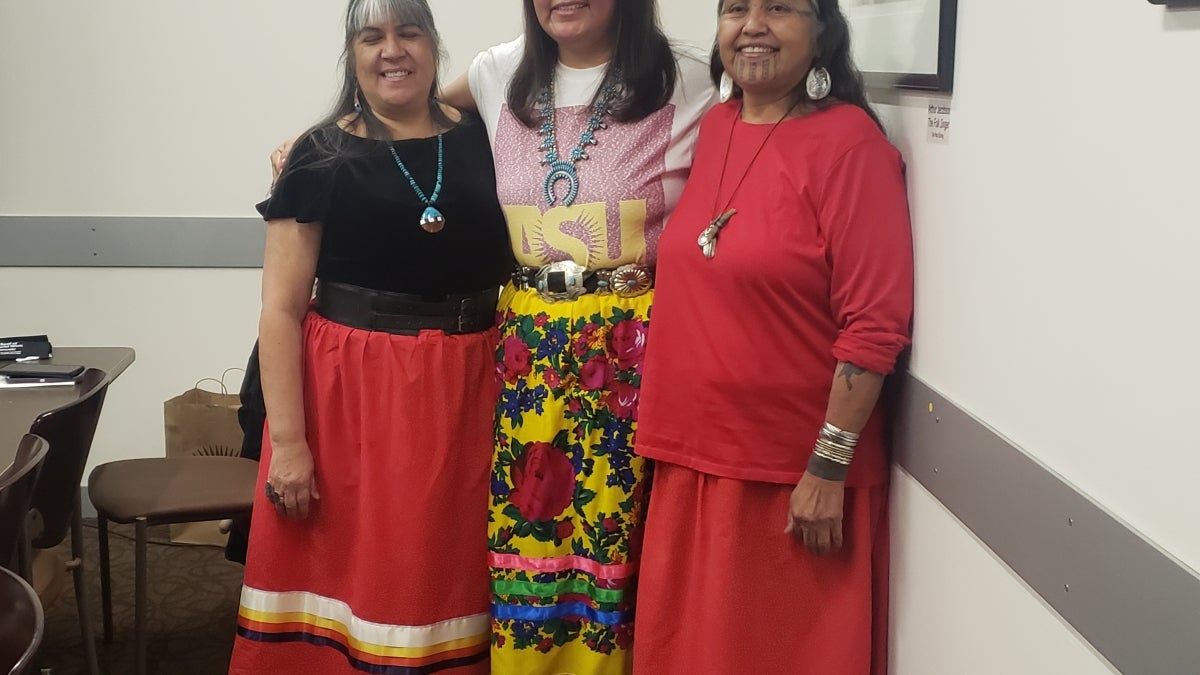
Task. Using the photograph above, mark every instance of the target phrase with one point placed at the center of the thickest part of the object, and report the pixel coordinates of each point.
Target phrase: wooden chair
(161, 491)
(56, 501)
(17, 484)
(21, 623)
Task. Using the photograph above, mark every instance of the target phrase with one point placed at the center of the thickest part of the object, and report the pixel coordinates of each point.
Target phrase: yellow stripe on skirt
(568, 494)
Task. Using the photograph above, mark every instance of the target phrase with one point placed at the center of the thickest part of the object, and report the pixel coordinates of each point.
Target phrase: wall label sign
(939, 122)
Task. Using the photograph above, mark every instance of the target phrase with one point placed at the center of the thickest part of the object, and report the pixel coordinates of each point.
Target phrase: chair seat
(173, 490)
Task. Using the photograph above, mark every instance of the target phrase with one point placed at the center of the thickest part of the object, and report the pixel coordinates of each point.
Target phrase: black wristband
(827, 469)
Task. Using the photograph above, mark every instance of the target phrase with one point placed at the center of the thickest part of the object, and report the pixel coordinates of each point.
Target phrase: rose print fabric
(568, 494)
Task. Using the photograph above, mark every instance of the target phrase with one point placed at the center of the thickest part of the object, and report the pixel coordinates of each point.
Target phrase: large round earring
(726, 87)
(818, 84)
(357, 104)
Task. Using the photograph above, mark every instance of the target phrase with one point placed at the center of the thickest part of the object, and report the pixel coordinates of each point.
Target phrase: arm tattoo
(849, 371)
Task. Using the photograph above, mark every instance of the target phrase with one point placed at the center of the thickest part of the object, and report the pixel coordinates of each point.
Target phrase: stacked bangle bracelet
(833, 453)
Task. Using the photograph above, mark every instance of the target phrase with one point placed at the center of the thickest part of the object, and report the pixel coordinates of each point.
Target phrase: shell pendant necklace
(432, 220)
(707, 241)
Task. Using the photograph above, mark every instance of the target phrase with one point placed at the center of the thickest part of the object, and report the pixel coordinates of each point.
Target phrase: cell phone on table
(34, 371)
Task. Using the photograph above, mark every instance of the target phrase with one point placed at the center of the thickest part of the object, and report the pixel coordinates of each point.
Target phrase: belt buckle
(630, 281)
(466, 310)
(561, 281)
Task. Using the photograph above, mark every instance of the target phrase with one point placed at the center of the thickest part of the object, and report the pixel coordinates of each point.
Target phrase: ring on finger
(272, 496)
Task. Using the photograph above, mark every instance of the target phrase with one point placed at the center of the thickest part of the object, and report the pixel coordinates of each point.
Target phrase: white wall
(1055, 235)
(134, 107)
(1056, 240)
(958, 610)
(184, 324)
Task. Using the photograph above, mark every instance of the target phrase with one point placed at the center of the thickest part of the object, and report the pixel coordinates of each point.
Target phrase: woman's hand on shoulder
(279, 158)
(292, 480)
(453, 114)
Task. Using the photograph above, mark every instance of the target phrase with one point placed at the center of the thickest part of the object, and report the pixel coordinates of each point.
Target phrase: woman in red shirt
(784, 298)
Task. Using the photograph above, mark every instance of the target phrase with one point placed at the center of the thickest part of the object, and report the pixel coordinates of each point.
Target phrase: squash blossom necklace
(564, 169)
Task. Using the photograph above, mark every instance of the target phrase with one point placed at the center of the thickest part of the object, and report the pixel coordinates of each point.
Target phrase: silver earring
(818, 84)
(357, 105)
(726, 87)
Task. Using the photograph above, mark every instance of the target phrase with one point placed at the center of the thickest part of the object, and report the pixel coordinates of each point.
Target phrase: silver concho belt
(566, 280)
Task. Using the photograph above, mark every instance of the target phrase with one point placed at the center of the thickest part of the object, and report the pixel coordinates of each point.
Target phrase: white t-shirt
(628, 186)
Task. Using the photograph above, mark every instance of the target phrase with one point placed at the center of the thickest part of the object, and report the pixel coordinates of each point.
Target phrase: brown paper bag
(202, 423)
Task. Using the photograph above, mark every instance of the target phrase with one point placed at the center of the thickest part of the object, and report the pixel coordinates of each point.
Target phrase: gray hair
(333, 146)
(816, 6)
(359, 15)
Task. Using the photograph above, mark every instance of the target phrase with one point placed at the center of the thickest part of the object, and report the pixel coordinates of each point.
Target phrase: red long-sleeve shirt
(815, 268)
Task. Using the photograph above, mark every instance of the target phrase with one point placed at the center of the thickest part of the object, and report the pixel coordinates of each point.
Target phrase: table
(20, 407)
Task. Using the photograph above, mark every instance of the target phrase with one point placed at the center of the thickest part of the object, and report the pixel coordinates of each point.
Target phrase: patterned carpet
(193, 597)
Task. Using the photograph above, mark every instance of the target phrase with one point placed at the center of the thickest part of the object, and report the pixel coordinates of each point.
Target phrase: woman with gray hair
(785, 295)
(367, 551)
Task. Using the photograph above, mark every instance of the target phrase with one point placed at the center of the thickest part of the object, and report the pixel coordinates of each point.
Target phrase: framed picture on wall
(907, 44)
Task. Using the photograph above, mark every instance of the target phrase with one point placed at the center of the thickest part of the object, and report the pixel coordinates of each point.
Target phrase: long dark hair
(641, 54)
(331, 145)
(832, 53)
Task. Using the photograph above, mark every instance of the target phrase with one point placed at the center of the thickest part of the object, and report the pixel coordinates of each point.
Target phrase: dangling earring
(818, 84)
(357, 105)
(726, 87)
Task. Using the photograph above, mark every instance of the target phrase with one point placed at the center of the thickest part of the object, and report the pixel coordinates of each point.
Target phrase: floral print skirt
(568, 496)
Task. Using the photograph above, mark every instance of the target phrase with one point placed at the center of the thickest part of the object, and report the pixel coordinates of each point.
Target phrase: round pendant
(561, 171)
(432, 220)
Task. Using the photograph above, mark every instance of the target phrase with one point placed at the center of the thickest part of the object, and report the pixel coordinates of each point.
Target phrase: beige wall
(1056, 234)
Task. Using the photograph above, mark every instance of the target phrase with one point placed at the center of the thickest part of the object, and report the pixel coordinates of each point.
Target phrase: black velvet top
(370, 215)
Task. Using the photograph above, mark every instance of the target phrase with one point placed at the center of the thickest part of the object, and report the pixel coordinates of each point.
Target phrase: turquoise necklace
(432, 220)
(564, 169)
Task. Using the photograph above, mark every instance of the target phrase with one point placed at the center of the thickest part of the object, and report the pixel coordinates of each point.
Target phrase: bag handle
(224, 389)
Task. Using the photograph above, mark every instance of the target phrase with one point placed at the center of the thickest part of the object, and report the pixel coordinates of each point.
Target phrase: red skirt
(389, 573)
(724, 590)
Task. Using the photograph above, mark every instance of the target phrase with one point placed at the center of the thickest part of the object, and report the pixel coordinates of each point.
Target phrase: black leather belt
(567, 280)
(403, 313)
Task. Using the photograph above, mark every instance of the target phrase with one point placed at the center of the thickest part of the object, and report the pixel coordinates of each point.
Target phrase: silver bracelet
(832, 453)
(848, 437)
(836, 445)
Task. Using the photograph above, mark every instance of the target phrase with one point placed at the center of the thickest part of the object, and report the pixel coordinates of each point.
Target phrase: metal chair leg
(80, 578)
(140, 595)
(105, 579)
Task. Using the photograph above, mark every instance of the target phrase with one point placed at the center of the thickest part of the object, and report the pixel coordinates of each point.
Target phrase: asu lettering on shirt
(629, 183)
(581, 232)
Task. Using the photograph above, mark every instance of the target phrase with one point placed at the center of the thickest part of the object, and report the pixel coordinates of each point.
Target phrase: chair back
(69, 430)
(17, 484)
(21, 623)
